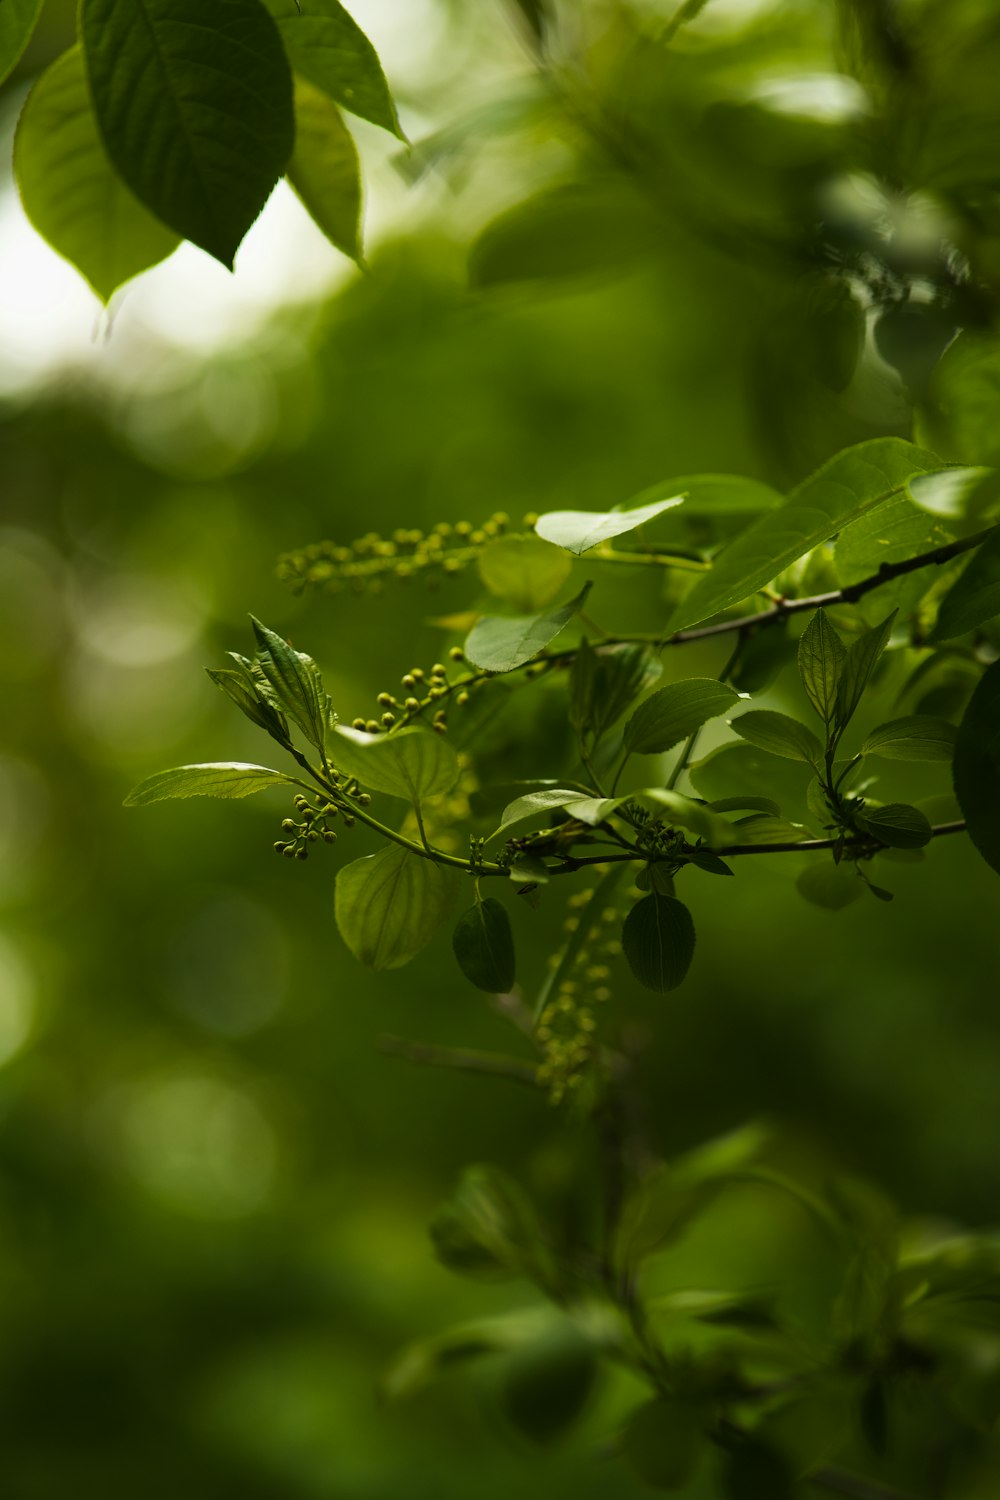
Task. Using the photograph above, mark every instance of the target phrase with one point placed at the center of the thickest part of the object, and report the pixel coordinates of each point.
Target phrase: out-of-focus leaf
(525, 571)
(976, 768)
(949, 493)
(324, 169)
(18, 19)
(974, 597)
(547, 1384)
(578, 530)
(603, 682)
(659, 938)
(425, 1361)
(489, 1227)
(500, 643)
(563, 232)
(663, 1441)
(829, 885)
(390, 904)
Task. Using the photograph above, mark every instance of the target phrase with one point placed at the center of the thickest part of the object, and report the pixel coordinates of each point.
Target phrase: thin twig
(463, 1059)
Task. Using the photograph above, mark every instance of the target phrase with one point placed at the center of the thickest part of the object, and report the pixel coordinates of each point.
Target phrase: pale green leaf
(715, 494)
(525, 571)
(389, 905)
(578, 530)
(227, 778)
(324, 168)
(499, 643)
(947, 492)
(409, 763)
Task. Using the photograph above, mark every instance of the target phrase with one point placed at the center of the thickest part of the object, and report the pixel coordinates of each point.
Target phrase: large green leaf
(977, 766)
(295, 682)
(17, 22)
(888, 534)
(502, 643)
(389, 905)
(822, 505)
(484, 946)
(715, 494)
(658, 938)
(329, 48)
(227, 778)
(194, 103)
(411, 763)
(524, 570)
(974, 597)
(674, 712)
(324, 168)
(579, 530)
(779, 734)
(915, 737)
(70, 191)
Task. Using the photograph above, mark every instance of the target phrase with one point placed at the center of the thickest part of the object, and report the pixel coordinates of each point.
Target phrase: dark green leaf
(898, 825)
(578, 530)
(829, 885)
(499, 643)
(824, 504)
(977, 766)
(410, 763)
(389, 905)
(239, 687)
(821, 658)
(704, 859)
(779, 735)
(69, 189)
(563, 232)
(746, 803)
(658, 938)
(974, 597)
(328, 48)
(194, 104)
(604, 682)
(227, 778)
(754, 1472)
(674, 712)
(859, 663)
(761, 657)
(484, 947)
(324, 168)
(663, 1442)
(295, 680)
(739, 768)
(17, 22)
(524, 570)
(916, 737)
(547, 1384)
(763, 829)
(489, 1227)
(427, 1360)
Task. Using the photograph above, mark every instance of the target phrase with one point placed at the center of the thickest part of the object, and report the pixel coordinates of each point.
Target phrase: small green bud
(357, 723)
(456, 653)
(386, 700)
(388, 720)
(417, 673)
(440, 726)
(462, 699)
(372, 726)
(279, 847)
(329, 837)
(364, 799)
(312, 835)
(349, 820)
(301, 854)
(438, 671)
(409, 682)
(289, 851)
(411, 705)
(287, 824)
(530, 518)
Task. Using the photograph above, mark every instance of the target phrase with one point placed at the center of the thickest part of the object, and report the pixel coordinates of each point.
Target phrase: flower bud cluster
(567, 1027)
(363, 564)
(428, 695)
(314, 826)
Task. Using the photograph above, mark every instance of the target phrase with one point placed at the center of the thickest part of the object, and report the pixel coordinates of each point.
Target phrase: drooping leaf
(410, 763)
(916, 737)
(324, 168)
(328, 47)
(17, 22)
(674, 712)
(489, 1227)
(663, 1441)
(69, 189)
(822, 505)
(525, 571)
(239, 687)
(499, 643)
(547, 1384)
(194, 104)
(779, 734)
(821, 658)
(484, 946)
(296, 683)
(389, 905)
(228, 778)
(658, 938)
(974, 597)
(898, 825)
(578, 530)
(829, 885)
(859, 663)
(976, 769)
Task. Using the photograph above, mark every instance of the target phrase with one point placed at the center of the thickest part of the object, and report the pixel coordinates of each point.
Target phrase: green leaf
(389, 905)
(658, 938)
(324, 168)
(685, 812)
(18, 19)
(977, 766)
(738, 768)
(547, 1384)
(524, 570)
(566, 231)
(226, 778)
(755, 1472)
(499, 643)
(409, 763)
(579, 530)
(674, 712)
(663, 1441)
(822, 505)
(605, 681)
(898, 825)
(974, 597)
(763, 829)
(821, 659)
(239, 686)
(194, 104)
(715, 494)
(704, 859)
(295, 680)
(534, 804)
(859, 663)
(916, 737)
(890, 533)
(779, 734)
(328, 48)
(69, 189)
(484, 947)
(424, 1361)
(946, 492)
(829, 885)
(489, 1227)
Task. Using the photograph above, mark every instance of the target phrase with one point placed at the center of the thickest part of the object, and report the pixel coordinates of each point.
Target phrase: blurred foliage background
(747, 244)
